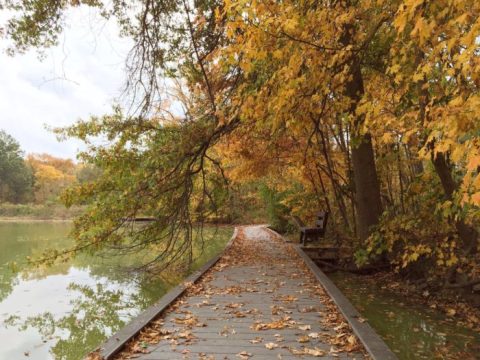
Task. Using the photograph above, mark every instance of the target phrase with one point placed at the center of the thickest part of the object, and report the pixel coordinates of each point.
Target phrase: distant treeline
(37, 179)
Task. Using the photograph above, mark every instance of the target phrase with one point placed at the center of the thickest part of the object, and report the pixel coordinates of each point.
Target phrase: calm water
(412, 331)
(65, 311)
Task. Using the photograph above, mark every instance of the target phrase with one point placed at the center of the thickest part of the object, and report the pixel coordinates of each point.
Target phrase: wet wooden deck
(259, 301)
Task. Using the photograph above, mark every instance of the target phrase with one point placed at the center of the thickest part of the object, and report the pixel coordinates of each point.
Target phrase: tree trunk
(367, 187)
(467, 233)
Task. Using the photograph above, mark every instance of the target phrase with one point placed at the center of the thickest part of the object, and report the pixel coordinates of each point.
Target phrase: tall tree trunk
(467, 233)
(367, 187)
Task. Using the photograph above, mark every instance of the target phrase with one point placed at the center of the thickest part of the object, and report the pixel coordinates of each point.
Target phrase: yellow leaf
(457, 101)
(473, 163)
(476, 199)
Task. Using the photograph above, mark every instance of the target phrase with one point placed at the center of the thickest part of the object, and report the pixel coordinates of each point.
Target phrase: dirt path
(258, 302)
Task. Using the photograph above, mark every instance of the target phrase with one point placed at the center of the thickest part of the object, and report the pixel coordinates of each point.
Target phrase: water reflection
(64, 311)
(97, 307)
(412, 331)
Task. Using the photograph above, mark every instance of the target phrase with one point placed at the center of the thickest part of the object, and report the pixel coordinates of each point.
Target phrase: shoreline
(23, 219)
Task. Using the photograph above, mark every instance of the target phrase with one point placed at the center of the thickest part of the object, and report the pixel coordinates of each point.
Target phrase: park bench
(313, 233)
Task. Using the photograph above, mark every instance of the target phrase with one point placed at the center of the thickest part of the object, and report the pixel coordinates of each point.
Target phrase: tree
(52, 175)
(155, 164)
(358, 106)
(15, 177)
(311, 57)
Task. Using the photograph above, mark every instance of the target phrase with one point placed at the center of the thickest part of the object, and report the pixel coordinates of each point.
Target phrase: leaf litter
(331, 336)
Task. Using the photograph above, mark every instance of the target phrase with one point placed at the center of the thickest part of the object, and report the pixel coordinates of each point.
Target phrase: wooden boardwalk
(259, 301)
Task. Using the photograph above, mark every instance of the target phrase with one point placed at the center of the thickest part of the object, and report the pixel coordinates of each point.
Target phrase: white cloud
(80, 77)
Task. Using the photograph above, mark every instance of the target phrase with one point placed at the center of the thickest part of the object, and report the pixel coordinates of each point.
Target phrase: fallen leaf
(256, 340)
(451, 312)
(244, 355)
(314, 352)
(305, 327)
(303, 339)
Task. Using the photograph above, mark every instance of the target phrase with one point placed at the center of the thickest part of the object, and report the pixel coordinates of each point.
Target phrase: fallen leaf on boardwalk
(279, 324)
(140, 348)
(256, 340)
(271, 345)
(342, 326)
(244, 355)
(203, 303)
(288, 298)
(188, 320)
(352, 344)
(220, 267)
(305, 327)
(308, 351)
(234, 305)
(203, 356)
(334, 350)
(308, 309)
(185, 334)
(303, 339)
(276, 309)
(314, 352)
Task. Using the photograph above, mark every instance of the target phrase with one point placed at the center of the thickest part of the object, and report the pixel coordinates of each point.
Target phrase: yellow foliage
(52, 175)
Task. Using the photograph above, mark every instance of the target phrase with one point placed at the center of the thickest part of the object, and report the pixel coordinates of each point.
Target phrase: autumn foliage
(36, 179)
(367, 108)
(51, 174)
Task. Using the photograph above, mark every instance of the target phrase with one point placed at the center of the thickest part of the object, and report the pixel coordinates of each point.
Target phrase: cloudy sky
(80, 77)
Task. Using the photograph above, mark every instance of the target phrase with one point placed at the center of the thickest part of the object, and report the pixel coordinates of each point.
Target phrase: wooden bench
(316, 232)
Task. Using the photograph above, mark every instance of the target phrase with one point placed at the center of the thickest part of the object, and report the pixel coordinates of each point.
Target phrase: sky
(79, 78)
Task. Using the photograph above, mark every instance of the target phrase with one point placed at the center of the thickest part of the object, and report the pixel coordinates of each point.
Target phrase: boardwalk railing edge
(372, 342)
(115, 343)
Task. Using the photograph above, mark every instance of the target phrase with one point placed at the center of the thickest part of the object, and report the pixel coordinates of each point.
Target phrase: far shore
(51, 212)
(31, 219)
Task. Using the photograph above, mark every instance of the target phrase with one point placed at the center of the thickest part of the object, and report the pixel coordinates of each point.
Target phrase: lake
(67, 310)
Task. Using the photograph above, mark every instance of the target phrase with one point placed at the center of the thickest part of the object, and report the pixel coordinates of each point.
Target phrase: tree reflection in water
(97, 312)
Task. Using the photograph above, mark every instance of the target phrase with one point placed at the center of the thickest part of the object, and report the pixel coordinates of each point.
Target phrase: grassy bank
(38, 212)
